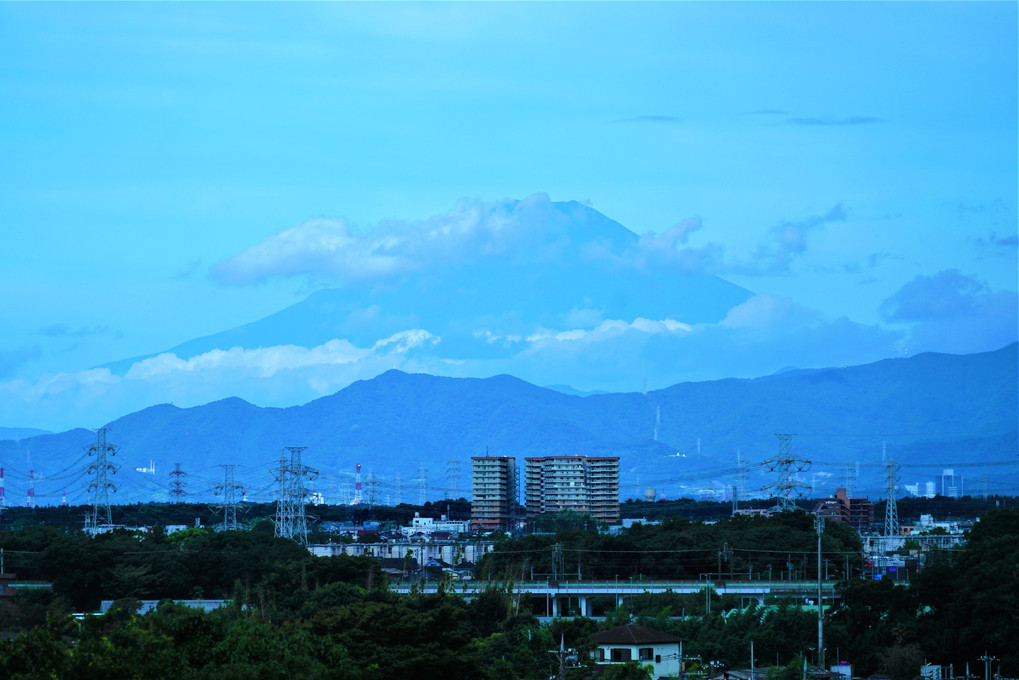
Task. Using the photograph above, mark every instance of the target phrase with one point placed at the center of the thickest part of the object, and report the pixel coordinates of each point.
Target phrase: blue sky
(853, 165)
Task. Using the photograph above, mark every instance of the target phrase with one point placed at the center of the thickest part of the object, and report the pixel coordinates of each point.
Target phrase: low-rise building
(428, 525)
(647, 646)
(451, 552)
(856, 512)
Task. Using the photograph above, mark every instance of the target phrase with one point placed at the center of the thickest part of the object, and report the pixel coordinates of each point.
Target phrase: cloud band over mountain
(553, 293)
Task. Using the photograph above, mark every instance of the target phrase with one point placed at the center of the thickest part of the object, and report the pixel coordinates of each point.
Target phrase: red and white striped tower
(30, 501)
(358, 498)
(3, 498)
(63, 499)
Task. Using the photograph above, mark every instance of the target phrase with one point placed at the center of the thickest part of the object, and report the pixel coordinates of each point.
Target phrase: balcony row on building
(586, 484)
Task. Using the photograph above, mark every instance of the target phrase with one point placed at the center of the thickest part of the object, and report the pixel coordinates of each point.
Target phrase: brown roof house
(662, 651)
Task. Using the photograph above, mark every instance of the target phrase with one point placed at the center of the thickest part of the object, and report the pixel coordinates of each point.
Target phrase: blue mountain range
(415, 434)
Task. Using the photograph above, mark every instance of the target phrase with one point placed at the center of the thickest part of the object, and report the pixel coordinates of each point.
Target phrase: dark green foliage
(631, 670)
(298, 616)
(737, 547)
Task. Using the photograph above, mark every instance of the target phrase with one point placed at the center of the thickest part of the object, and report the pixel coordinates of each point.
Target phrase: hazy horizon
(603, 195)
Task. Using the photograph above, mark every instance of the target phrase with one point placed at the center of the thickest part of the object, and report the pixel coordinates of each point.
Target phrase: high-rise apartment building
(493, 492)
(580, 483)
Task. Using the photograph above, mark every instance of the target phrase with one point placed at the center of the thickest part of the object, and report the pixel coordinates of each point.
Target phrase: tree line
(292, 615)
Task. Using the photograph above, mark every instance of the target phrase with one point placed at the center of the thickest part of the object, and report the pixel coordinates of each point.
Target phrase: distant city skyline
(170, 171)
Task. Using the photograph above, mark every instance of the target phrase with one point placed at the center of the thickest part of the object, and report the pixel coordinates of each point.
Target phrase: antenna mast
(358, 497)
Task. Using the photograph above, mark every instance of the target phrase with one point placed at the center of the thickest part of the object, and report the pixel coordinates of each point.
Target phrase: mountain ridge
(680, 440)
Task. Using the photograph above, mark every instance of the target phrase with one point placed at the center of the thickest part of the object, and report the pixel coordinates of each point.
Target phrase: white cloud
(608, 329)
(263, 361)
(532, 230)
(270, 376)
(764, 311)
(324, 246)
(404, 341)
(332, 249)
(935, 308)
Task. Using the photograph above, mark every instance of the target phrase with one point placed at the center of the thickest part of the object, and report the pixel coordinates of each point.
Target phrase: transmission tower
(789, 485)
(742, 475)
(453, 479)
(100, 486)
(849, 474)
(891, 485)
(177, 484)
(373, 489)
(229, 489)
(291, 521)
(398, 489)
(30, 500)
(422, 481)
(3, 497)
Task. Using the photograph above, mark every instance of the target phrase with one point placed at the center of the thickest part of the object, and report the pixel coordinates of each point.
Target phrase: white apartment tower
(493, 492)
(580, 483)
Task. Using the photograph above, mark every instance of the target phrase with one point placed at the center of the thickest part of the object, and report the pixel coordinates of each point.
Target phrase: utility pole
(988, 660)
(229, 488)
(558, 568)
(100, 486)
(562, 656)
(819, 525)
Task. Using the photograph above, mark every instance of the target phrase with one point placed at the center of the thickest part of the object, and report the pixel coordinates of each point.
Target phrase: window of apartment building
(645, 653)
